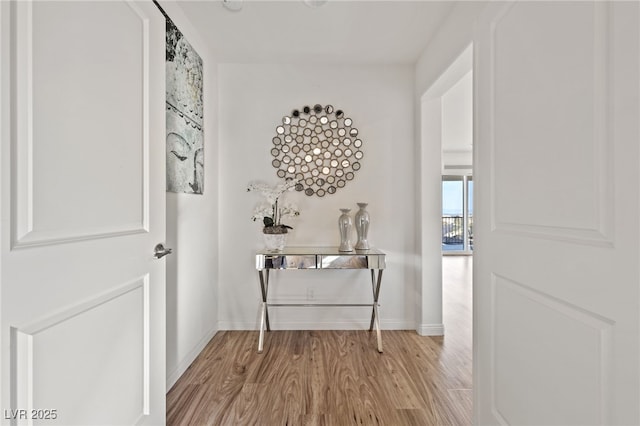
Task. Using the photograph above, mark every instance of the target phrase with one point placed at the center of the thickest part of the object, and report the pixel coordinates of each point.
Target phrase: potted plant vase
(275, 236)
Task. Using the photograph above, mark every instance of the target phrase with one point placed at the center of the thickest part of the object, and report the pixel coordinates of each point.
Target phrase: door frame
(430, 317)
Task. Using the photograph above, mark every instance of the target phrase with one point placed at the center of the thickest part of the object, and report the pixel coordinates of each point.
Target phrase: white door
(556, 281)
(83, 205)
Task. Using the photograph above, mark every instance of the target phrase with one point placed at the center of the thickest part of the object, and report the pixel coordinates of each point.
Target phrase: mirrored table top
(319, 258)
(319, 251)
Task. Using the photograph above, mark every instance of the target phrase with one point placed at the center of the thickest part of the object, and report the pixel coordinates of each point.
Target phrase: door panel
(63, 71)
(83, 207)
(572, 344)
(104, 357)
(555, 116)
(556, 217)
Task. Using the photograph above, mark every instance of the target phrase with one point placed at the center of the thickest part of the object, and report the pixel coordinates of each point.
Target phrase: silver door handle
(160, 251)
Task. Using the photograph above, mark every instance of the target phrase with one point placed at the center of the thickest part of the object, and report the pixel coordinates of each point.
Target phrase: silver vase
(344, 225)
(362, 227)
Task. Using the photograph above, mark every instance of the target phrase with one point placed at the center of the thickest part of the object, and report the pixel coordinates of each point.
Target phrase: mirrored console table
(316, 258)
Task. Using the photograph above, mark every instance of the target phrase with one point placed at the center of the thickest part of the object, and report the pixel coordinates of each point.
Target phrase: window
(457, 213)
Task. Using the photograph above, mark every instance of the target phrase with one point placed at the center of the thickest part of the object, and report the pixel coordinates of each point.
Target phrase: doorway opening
(447, 210)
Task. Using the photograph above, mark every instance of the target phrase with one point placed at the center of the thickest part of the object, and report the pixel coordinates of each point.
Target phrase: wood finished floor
(336, 377)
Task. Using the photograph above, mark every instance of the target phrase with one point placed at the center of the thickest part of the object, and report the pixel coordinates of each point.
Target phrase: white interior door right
(556, 275)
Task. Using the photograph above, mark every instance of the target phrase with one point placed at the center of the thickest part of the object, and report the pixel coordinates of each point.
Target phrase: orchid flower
(272, 210)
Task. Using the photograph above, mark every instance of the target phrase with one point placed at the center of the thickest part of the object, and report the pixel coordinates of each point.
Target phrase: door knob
(160, 251)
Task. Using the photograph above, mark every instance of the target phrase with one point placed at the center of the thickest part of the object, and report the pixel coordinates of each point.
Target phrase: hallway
(336, 377)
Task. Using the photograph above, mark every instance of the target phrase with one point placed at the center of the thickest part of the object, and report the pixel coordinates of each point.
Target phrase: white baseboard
(430, 330)
(173, 376)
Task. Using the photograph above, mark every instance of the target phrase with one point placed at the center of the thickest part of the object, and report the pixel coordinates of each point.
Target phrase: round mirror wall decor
(319, 146)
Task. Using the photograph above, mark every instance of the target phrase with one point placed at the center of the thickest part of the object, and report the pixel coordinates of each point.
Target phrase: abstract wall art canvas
(184, 108)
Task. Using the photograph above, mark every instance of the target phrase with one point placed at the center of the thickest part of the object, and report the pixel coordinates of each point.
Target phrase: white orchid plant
(273, 210)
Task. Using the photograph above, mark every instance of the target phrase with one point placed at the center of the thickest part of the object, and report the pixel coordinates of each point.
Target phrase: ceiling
(340, 31)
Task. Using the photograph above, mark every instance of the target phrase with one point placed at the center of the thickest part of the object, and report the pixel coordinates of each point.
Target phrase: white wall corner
(173, 376)
(430, 330)
(192, 230)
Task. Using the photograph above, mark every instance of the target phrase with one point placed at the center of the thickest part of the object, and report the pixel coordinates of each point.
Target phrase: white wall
(457, 123)
(253, 100)
(192, 229)
(452, 38)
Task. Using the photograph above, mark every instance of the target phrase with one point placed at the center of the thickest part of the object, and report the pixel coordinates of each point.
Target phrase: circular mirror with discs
(312, 145)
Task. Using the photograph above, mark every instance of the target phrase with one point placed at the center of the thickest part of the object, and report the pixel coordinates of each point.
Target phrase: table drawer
(286, 262)
(352, 262)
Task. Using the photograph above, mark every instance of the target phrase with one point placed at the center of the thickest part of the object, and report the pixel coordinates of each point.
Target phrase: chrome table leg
(264, 316)
(262, 321)
(375, 319)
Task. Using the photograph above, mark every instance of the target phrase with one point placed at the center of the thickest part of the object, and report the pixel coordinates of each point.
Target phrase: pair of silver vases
(345, 226)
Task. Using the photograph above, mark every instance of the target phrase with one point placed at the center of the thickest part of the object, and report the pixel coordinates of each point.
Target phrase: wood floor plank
(192, 407)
